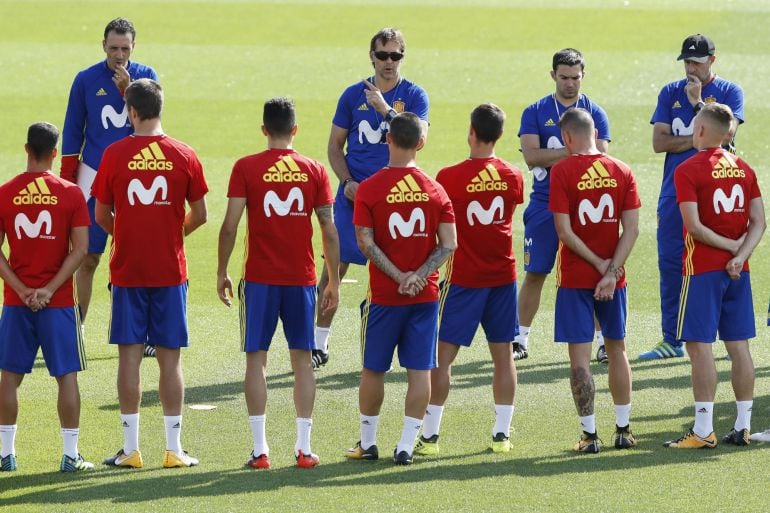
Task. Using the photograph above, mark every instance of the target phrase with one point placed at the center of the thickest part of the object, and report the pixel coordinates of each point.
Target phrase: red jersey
(404, 207)
(148, 179)
(594, 190)
(281, 188)
(37, 214)
(484, 194)
(723, 186)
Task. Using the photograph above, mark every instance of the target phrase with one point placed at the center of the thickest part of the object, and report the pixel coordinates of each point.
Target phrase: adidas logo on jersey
(101, 92)
(285, 170)
(677, 105)
(150, 158)
(550, 122)
(596, 177)
(35, 193)
(363, 107)
(727, 168)
(488, 179)
(406, 191)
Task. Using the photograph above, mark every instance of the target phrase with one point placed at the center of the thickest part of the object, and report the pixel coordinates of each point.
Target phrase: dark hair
(720, 115)
(42, 138)
(487, 121)
(406, 130)
(120, 26)
(386, 35)
(568, 57)
(145, 96)
(279, 116)
(577, 121)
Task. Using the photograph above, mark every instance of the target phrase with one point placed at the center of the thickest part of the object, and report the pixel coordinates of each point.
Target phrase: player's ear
(104, 45)
(26, 148)
(553, 75)
(54, 152)
(596, 135)
(264, 131)
(420, 142)
(294, 130)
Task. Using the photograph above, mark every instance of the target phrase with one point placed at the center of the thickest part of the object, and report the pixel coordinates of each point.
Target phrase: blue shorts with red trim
(260, 307)
(54, 330)
(410, 328)
(575, 310)
(464, 308)
(149, 315)
(712, 303)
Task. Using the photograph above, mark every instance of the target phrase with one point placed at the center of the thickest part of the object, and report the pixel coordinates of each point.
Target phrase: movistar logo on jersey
(41, 228)
(406, 190)
(726, 167)
(118, 119)
(732, 203)
(595, 213)
(412, 227)
(274, 204)
(146, 196)
(371, 134)
(150, 158)
(486, 216)
(285, 170)
(596, 177)
(35, 193)
(488, 179)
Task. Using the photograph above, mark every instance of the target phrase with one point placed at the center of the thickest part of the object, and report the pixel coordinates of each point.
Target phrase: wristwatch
(698, 106)
(390, 115)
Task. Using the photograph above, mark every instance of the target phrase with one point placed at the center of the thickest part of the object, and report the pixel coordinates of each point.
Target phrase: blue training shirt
(367, 150)
(542, 119)
(96, 112)
(675, 109)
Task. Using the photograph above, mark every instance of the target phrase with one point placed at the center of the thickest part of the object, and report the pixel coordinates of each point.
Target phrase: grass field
(218, 62)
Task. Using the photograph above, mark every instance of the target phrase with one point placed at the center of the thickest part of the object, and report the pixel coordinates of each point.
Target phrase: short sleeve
(362, 214)
(101, 189)
(685, 186)
(198, 187)
(237, 186)
(662, 112)
(343, 117)
(558, 201)
(324, 192)
(529, 121)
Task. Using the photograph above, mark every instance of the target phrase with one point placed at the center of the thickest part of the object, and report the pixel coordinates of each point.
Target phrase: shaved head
(716, 117)
(577, 122)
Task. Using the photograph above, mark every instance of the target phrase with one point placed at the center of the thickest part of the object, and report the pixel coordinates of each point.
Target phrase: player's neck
(401, 158)
(482, 151)
(385, 85)
(584, 149)
(147, 127)
(566, 102)
(279, 144)
(36, 166)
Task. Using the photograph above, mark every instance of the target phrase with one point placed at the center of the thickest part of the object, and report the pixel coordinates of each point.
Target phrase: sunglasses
(394, 56)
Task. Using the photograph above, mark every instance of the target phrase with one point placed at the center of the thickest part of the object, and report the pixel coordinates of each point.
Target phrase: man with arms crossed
(141, 189)
(361, 121)
(592, 196)
(279, 188)
(480, 286)
(724, 219)
(46, 222)
(672, 133)
(405, 227)
(542, 147)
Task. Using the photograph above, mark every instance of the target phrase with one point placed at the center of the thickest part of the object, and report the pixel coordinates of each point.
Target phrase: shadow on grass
(136, 486)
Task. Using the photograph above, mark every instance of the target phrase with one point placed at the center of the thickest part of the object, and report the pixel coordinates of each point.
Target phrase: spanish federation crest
(399, 106)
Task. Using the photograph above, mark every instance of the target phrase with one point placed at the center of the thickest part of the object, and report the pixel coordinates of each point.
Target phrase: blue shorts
(540, 239)
(411, 328)
(575, 310)
(55, 330)
(260, 307)
(343, 220)
(712, 302)
(151, 315)
(462, 309)
(97, 237)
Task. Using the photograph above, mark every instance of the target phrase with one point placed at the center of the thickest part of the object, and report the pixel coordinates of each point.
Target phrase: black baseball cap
(697, 48)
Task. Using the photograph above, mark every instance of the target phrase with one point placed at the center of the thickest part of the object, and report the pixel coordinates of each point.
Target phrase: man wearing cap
(678, 103)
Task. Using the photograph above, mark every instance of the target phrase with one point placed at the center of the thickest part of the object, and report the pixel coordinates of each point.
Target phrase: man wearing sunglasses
(362, 119)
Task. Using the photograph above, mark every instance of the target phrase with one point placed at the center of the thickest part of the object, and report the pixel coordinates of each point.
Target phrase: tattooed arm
(447, 243)
(365, 239)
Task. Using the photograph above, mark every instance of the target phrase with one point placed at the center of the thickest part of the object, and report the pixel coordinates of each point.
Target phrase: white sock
(173, 425)
(8, 440)
(523, 337)
(431, 423)
(322, 338)
(622, 414)
(409, 434)
(304, 426)
(589, 423)
(69, 437)
(704, 419)
(369, 430)
(503, 417)
(130, 432)
(743, 419)
(257, 423)
(599, 338)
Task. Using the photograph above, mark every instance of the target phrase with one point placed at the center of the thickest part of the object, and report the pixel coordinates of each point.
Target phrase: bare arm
(703, 233)
(331, 243)
(575, 243)
(78, 250)
(629, 219)
(535, 156)
(336, 152)
(10, 277)
(447, 244)
(227, 234)
(196, 217)
(664, 142)
(603, 145)
(756, 228)
(365, 239)
(104, 217)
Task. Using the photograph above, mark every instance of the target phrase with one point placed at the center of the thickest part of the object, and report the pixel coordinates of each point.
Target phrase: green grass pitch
(218, 61)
